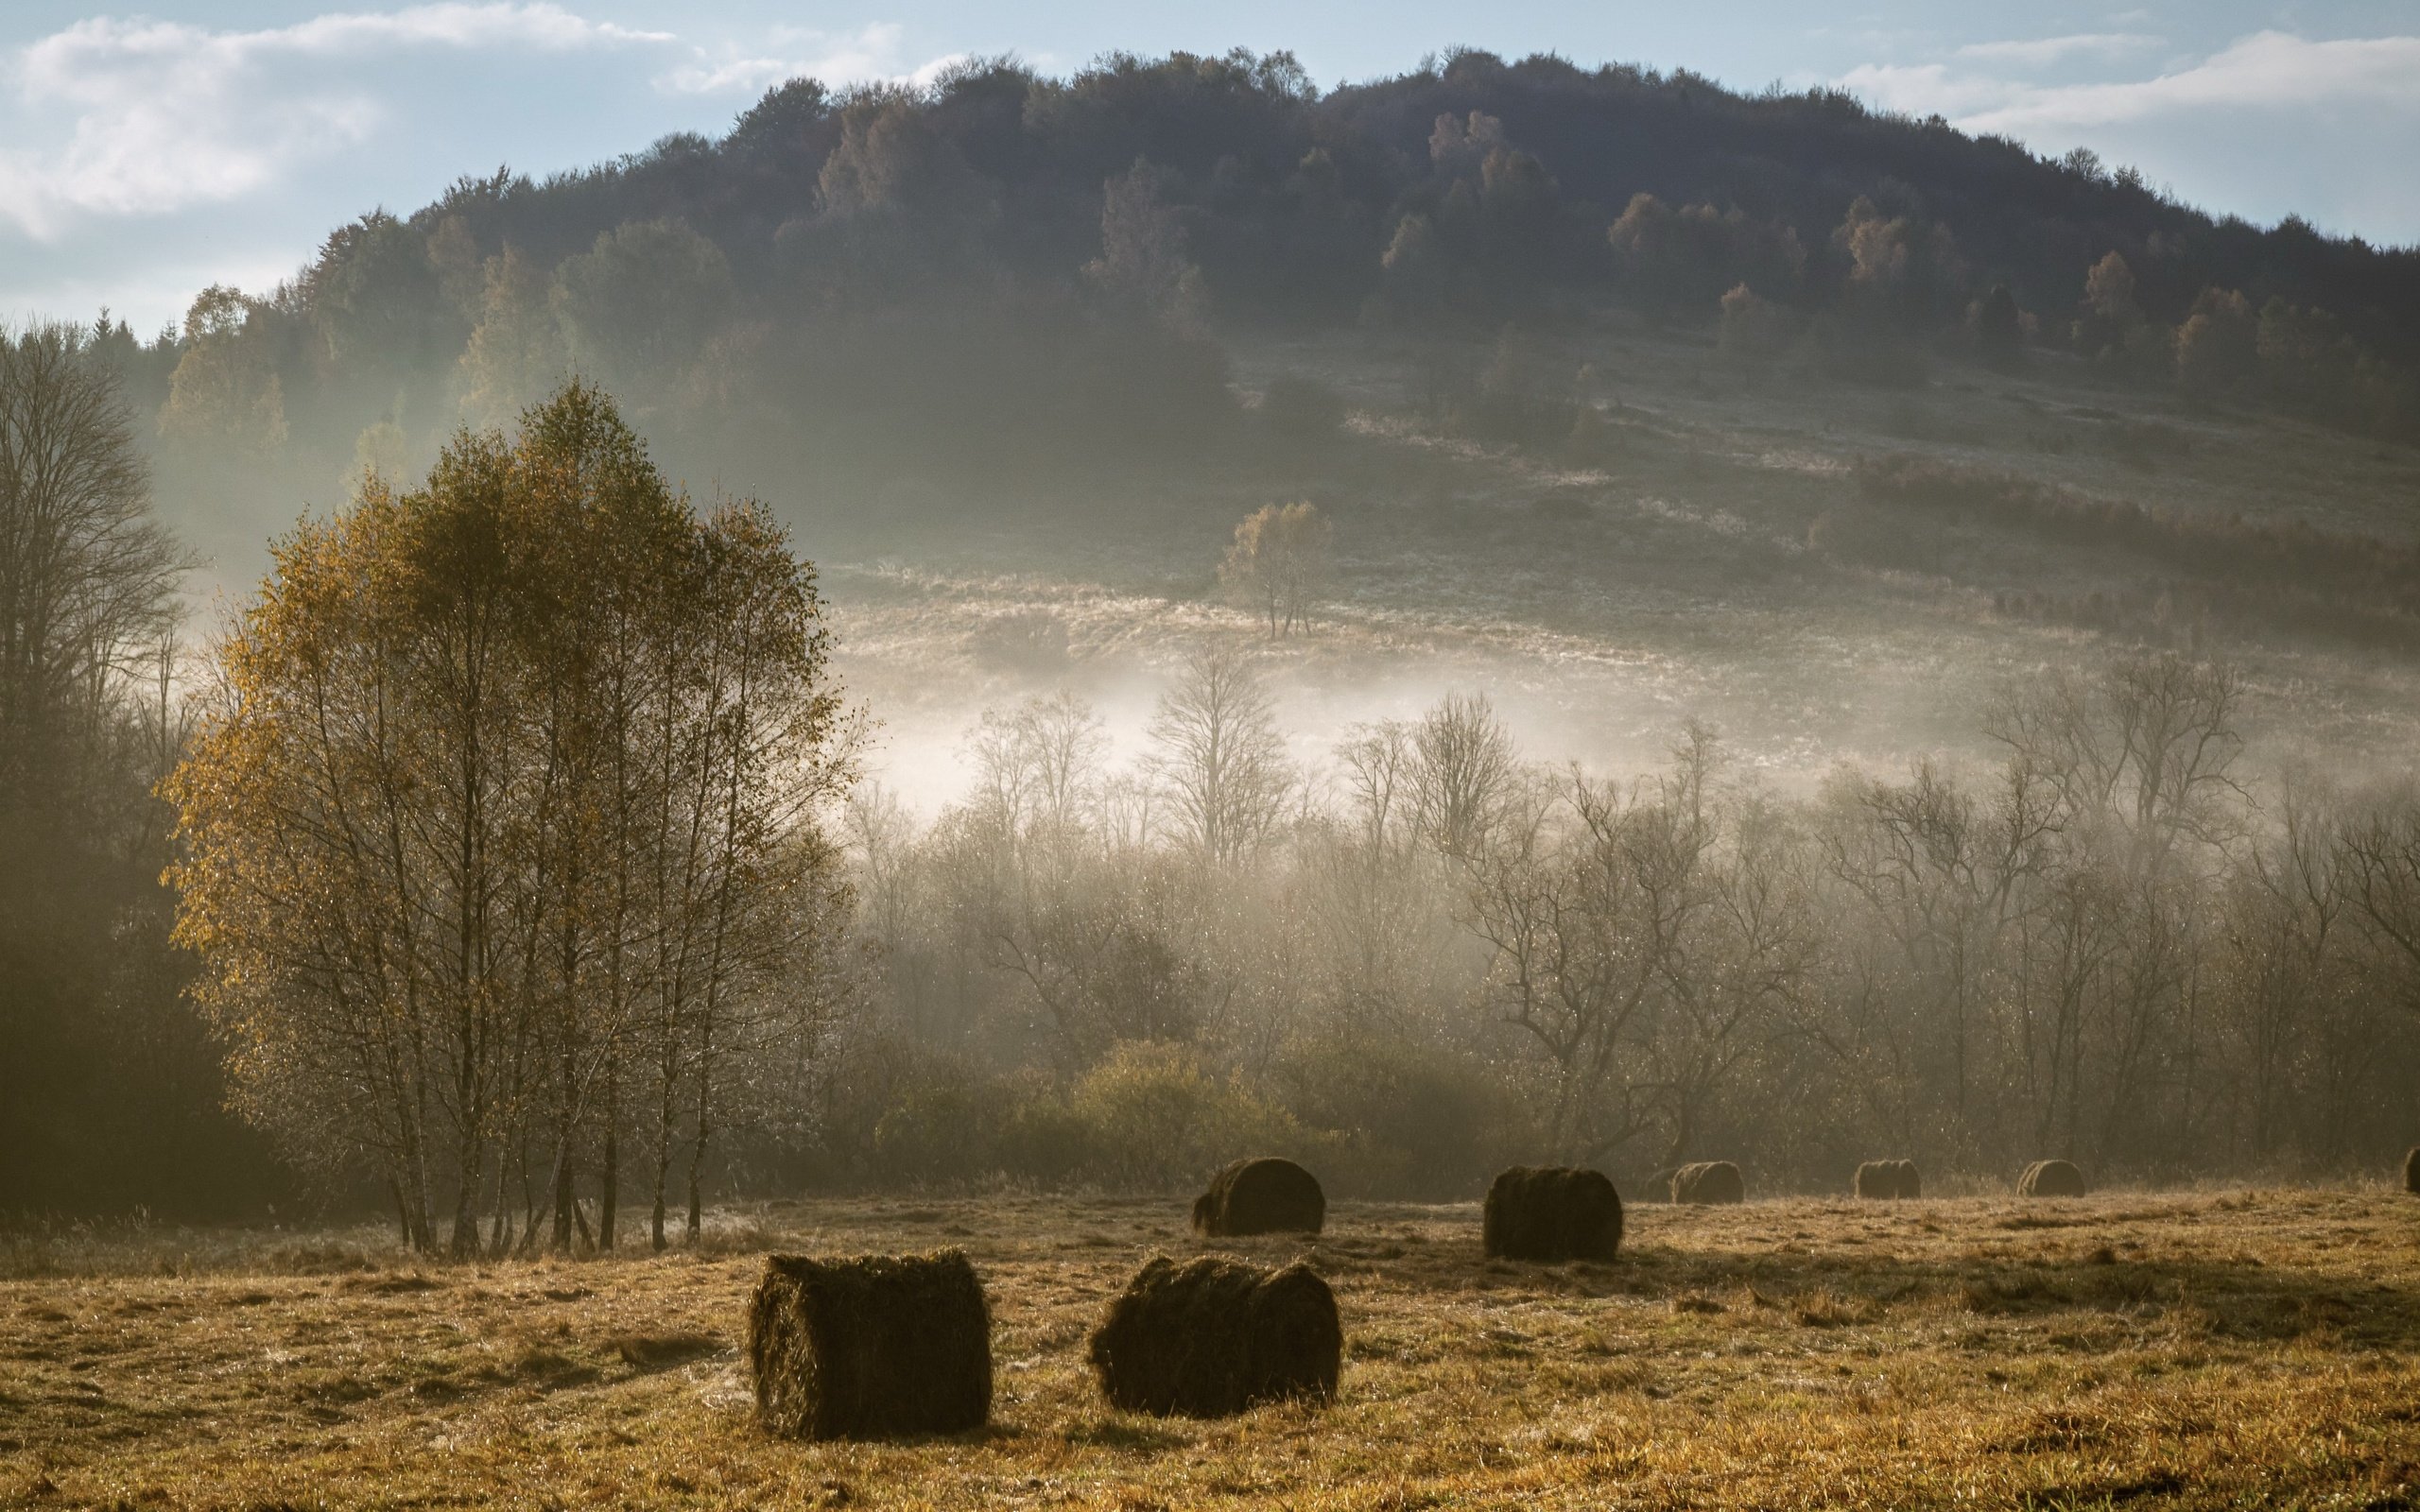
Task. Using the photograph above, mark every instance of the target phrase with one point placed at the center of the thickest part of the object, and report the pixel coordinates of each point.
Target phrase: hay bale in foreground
(1708, 1181)
(870, 1346)
(2052, 1178)
(2412, 1169)
(1553, 1214)
(1888, 1179)
(1267, 1195)
(1214, 1336)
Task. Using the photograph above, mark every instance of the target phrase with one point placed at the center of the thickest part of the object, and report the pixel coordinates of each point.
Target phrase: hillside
(1577, 357)
(1015, 272)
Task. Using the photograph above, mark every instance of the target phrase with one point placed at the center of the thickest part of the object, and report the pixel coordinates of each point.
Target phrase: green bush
(943, 1127)
(1407, 1117)
(1158, 1121)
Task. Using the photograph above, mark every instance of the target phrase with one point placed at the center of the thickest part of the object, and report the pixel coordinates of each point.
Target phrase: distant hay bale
(2052, 1178)
(1889, 1179)
(1267, 1195)
(1660, 1183)
(2412, 1169)
(1553, 1214)
(1708, 1181)
(1214, 1336)
(870, 1346)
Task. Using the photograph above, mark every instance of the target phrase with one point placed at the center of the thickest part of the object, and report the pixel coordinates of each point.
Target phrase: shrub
(942, 1127)
(1407, 1117)
(1155, 1120)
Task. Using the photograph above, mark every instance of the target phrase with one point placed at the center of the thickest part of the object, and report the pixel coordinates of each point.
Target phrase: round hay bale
(870, 1345)
(2412, 1169)
(2052, 1178)
(1267, 1195)
(1888, 1179)
(1705, 1182)
(1214, 1336)
(1660, 1183)
(1553, 1214)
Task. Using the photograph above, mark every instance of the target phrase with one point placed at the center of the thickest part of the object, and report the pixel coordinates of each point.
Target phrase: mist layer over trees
(513, 852)
(1431, 958)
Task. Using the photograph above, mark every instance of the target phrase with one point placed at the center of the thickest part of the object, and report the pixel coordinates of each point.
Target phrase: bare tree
(1578, 936)
(2149, 744)
(1463, 770)
(1219, 758)
(88, 576)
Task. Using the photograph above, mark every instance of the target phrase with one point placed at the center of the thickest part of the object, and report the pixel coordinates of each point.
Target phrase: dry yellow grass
(2137, 1349)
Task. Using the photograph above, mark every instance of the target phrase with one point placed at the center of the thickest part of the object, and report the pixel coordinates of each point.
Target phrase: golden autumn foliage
(1277, 565)
(499, 839)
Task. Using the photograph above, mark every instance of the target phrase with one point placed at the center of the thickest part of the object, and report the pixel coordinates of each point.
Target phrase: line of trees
(498, 838)
(1429, 956)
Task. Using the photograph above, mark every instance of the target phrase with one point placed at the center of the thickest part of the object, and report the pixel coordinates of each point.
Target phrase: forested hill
(1006, 259)
(1289, 199)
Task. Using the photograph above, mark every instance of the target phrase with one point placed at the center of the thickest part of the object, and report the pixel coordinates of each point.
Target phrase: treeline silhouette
(1013, 267)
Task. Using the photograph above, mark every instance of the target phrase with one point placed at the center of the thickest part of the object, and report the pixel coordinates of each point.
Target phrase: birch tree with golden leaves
(502, 838)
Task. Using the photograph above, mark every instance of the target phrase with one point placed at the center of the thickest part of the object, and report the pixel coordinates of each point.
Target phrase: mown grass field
(2213, 1349)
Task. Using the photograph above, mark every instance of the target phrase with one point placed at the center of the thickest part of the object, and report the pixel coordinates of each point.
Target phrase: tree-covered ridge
(990, 247)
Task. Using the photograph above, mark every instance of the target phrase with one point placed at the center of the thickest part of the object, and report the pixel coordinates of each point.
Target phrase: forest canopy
(1009, 267)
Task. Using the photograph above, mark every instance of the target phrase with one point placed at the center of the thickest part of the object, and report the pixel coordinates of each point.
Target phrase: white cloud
(148, 117)
(2269, 70)
(864, 56)
(2045, 51)
(1929, 89)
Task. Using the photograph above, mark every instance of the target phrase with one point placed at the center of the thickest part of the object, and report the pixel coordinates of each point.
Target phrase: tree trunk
(609, 1202)
(697, 1168)
(566, 1197)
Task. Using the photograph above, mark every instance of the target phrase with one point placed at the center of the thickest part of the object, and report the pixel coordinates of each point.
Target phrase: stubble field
(2212, 1349)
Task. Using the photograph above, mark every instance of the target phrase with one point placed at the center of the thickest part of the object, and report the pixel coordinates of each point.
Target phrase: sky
(145, 153)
